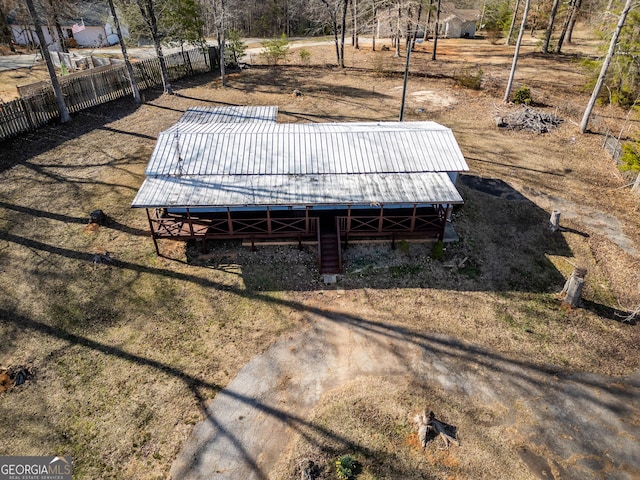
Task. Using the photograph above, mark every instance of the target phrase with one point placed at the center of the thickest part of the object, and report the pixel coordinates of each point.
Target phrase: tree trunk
(513, 22)
(397, 45)
(574, 18)
(565, 26)
(436, 32)
(64, 111)
(56, 22)
(605, 66)
(5, 31)
(552, 19)
(125, 55)
(507, 92)
(345, 4)
(355, 41)
(148, 14)
(222, 40)
(375, 27)
(415, 32)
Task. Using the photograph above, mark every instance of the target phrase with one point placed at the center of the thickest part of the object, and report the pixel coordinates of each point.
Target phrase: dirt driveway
(559, 426)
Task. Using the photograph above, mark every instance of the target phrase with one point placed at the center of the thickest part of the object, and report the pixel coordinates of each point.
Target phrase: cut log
(554, 221)
(573, 288)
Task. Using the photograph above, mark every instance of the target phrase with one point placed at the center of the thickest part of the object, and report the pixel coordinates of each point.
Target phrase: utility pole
(406, 79)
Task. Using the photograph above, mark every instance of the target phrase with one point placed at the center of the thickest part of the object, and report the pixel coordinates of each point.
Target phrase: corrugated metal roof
(289, 190)
(240, 156)
(269, 148)
(230, 114)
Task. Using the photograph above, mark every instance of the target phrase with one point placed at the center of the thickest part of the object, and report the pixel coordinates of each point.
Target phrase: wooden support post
(348, 220)
(153, 233)
(268, 221)
(253, 243)
(306, 220)
(554, 221)
(413, 218)
(442, 215)
(393, 241)
(229, 222)
(381, 220)
(573, 288)
(190, 223)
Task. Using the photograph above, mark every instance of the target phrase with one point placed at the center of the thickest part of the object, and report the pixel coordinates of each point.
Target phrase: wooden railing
(185, 227)
(376, 224)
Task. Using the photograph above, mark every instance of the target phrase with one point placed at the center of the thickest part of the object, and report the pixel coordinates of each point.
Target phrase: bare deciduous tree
(62, 107)
(507, 92)
(605, 65)
(148, 13)
(134, 86)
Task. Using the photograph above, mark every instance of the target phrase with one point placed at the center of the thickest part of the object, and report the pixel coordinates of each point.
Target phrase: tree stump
(573, 288)
(554, 221)
(97, 216)
(636, 186)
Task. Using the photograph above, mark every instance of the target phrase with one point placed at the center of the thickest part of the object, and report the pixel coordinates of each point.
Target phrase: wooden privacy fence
(96, 86)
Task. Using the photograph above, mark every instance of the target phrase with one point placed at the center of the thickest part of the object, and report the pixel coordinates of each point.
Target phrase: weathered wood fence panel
(37, 105)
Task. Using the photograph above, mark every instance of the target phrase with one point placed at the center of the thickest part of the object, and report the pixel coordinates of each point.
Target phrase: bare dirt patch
(129, 354)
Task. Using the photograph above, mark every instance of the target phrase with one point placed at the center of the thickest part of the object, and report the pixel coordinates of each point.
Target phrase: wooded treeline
(616, 77)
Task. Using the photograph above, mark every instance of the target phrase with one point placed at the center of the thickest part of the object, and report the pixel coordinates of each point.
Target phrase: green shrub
(275, 49)
(235, 47)
(630, 157)
(469, 78)
(403, 246)
(437, 251)
(346, 467)
(305, 56)
(523, 96)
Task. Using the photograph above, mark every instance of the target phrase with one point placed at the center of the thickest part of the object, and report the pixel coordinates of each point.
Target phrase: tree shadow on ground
(525, 379)
(503, 245)
(20, 149)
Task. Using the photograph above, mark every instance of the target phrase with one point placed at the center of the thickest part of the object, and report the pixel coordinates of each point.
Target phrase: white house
(460, 23)
(93, 27)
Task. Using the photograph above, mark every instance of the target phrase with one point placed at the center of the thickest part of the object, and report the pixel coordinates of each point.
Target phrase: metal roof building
(236, 159)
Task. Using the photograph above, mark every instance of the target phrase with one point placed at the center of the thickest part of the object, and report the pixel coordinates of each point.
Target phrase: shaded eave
(215, 191)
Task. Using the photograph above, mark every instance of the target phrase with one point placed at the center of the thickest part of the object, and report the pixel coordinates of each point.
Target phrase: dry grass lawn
(127, 355)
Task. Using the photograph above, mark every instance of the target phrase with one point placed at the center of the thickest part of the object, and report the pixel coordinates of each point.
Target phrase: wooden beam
(229, 222)
(268, 220)
(190, 222)
(413, 218)
(153, 234)
(381, 219)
